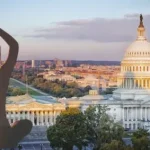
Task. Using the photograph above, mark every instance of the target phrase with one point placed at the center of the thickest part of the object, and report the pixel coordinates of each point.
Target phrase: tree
(101, 128)
(115, 145)
(17, 91)
(140, 140)
(69, 130)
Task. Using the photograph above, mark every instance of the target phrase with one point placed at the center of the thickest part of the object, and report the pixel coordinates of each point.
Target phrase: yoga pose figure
(10, 135)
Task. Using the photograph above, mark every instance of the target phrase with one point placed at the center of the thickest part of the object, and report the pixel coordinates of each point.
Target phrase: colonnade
(133, 83)
(38, 118)
(135, 68)
(132, 116)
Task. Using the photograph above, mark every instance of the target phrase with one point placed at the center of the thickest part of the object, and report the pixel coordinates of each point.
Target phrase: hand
(10, 135)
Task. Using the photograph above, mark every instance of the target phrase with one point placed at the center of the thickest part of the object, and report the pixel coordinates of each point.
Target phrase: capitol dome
(140, 48)
(134, 79)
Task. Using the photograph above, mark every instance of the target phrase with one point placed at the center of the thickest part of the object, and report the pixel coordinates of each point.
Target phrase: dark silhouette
(10, 135)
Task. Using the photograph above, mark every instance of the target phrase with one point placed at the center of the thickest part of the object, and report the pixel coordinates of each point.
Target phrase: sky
(72, 29)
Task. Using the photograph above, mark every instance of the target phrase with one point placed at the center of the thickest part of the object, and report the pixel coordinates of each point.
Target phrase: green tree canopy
(140, 140)
(101, 128)
(115, 145)
(70, 130)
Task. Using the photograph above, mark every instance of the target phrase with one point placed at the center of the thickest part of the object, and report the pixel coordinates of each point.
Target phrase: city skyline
(87, 30)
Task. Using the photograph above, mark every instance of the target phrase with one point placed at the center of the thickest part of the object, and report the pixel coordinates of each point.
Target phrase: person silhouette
(10, 135)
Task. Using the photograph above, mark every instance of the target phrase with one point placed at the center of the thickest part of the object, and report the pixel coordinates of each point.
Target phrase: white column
(52, 117)
(132, 113)
(14, 116)
(123, 116)
(130, 83)
(28, 115)
(146, 83)
(23, 113)
(148, 116)
(50, 120)
(136, 114)
(41, 117)
(9, 116)
(145, 114)
(33, 118)
(138, 83)
(37, 114)
(46, 118)
(142, 82)
(141, 113)
(127, 114)
(18, 115)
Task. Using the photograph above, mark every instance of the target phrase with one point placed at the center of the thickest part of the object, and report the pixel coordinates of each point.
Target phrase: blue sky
(23, 17)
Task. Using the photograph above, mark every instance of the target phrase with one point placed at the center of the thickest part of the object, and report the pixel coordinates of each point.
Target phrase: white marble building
(131, 100)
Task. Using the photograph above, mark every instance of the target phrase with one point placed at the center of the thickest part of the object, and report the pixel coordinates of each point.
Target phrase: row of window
(135, 68)
(26, 112)
(138, 53)
(132, 126)
(136, 83)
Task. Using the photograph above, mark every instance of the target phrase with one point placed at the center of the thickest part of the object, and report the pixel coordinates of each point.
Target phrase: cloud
(97, 29)
(131, 16)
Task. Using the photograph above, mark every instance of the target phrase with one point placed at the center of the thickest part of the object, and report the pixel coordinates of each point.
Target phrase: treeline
(95, 129)
(14, 91)
(57, 88)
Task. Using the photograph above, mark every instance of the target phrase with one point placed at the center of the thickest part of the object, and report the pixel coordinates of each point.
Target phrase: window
(139, 125)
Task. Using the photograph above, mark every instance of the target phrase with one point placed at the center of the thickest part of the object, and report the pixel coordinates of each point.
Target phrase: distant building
(33, 64)
(59, 63)
(53, 77)
(91, 81)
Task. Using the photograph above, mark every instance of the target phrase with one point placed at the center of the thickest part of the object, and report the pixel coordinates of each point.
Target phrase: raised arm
(13, 53)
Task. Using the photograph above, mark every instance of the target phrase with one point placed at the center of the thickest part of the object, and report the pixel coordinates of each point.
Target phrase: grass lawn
(23, 87)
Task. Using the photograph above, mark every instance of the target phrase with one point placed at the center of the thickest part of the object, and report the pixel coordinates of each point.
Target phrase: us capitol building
(129, 104)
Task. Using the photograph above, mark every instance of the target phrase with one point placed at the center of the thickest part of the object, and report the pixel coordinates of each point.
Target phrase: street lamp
(41, 146)
(20, 147)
